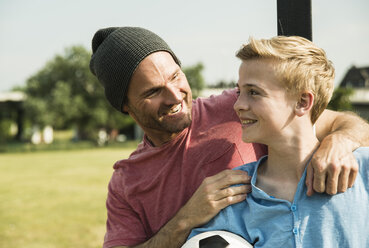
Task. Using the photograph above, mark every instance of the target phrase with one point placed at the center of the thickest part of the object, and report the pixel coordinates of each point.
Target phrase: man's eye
(175, 76)
(152, 92)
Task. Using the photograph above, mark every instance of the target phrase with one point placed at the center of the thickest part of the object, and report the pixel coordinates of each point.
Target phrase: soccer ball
(217, 239)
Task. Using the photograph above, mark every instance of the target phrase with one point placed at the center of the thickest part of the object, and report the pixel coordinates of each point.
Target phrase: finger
(226, 173)
(352, 177)
(309, 180)
(319, 181)
(225, 202)
(232, 177)
(332, 180)
(343, 179)
(233, 191)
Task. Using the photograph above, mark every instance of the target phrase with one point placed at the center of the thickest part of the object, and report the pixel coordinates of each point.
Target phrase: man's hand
(333, 167)
(214, 194)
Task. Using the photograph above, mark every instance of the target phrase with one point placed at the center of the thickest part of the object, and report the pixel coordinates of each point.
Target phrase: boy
(284, 84)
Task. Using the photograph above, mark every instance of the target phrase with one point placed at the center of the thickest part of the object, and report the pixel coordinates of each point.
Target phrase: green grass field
(55, 199)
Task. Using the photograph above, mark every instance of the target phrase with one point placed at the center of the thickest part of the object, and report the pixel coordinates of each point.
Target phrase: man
(177, 178)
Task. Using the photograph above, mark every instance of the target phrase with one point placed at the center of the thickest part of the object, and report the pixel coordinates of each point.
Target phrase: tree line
(65, 95)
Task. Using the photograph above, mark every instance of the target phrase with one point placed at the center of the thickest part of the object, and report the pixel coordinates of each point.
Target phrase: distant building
(358, 79)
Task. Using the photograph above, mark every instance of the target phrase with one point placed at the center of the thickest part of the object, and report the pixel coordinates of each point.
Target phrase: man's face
(159, 97)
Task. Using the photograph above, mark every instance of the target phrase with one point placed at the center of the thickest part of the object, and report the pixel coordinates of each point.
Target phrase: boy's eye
(238, 91)
(253, 92)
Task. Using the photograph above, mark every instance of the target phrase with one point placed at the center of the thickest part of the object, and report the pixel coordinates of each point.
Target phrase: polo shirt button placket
(295, 230)
(293, 208)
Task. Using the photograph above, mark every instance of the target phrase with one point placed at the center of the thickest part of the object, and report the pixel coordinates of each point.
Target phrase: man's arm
(333, 167)
(213, 195)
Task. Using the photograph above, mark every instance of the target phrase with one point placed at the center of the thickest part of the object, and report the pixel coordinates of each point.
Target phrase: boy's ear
(304, 104)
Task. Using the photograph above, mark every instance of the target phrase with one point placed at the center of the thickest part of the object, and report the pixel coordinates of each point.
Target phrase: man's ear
(304, 104)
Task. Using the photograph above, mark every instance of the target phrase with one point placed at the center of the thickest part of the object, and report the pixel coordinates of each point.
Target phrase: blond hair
(301, 66)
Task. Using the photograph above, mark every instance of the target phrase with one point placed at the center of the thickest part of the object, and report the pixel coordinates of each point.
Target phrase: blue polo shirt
(320, 220)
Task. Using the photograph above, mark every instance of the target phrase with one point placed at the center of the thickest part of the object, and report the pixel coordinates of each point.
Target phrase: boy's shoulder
(362, 155)
(362, 152)
(250, 167)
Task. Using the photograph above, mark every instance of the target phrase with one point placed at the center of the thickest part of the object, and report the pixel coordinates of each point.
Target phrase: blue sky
(208, 31)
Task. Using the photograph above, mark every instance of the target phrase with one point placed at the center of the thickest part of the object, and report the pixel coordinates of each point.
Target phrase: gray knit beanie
(116, 53)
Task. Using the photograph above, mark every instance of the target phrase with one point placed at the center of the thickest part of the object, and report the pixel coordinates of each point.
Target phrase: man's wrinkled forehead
(153, 72)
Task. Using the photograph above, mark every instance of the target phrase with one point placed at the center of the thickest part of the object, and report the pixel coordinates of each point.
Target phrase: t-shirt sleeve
(123, 225)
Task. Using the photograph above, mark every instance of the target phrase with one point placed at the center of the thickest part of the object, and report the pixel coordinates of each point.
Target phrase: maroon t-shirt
(147, 189)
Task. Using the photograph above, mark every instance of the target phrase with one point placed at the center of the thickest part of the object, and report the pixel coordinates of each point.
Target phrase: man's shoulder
(141, 151)
(215, 109)
(227, 97)
(227, 93)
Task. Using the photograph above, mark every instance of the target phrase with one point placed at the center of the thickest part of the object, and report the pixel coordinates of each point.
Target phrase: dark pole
(294, 18)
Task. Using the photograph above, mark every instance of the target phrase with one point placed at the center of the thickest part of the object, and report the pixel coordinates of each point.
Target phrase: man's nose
(173, 95)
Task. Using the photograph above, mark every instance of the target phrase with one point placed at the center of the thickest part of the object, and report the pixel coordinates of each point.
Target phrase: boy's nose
(240, 105)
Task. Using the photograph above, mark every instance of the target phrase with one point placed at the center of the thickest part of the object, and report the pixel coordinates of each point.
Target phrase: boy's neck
(290, 160)
(287, 159)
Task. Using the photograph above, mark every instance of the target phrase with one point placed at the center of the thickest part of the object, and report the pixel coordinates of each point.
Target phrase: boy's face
(263, 105)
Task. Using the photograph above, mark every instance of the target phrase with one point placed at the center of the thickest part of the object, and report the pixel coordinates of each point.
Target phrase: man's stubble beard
(164, 126)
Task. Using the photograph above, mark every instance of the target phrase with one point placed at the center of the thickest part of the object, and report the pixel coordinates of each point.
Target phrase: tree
(340, 100)
(65, 94)
(224, 84)
(195, 78)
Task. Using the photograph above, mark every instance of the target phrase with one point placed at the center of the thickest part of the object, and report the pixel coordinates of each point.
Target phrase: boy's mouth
(248, 121)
